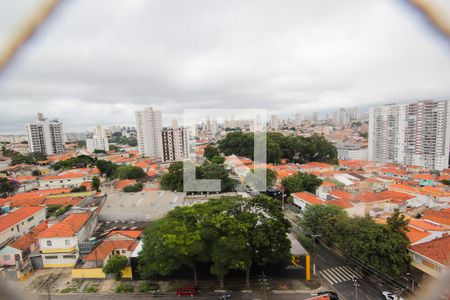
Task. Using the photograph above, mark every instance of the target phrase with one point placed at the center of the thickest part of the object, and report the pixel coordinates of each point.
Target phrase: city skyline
(289, 62)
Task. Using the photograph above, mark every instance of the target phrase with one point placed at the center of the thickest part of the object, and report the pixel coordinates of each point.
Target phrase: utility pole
(356, 285)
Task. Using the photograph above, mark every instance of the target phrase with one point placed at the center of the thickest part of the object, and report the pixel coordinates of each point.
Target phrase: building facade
(174, 144)
(99, 140)
(412, 134)
(45, 136)
(148, 127)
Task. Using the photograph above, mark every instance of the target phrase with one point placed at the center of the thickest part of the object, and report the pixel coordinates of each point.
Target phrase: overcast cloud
(96, 61)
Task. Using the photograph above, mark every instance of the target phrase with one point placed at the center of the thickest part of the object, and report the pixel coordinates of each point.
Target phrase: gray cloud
(98, 61)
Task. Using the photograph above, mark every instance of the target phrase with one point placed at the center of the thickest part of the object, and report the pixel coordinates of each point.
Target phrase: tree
(107, 167)
(115, 265)
(99, 151)
(7, 186)
(217, 159)
(173, 180)
(210, 152)
(36, 173)
(95, 185)
(78, 189)
(113, 148)
(445, 181)
(397, 222)
(133, 188)
(130, 172)
(300, 182)
(215, 171)
(255, 182)
(321, 219)
(81, 161)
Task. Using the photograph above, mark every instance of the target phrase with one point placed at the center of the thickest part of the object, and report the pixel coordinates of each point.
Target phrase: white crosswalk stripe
(339, 274)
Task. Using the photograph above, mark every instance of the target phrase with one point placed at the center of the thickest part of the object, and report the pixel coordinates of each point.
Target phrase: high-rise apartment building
(99, 141)
(148, 127)
(45, 136)
(174, 144)
(411, 134)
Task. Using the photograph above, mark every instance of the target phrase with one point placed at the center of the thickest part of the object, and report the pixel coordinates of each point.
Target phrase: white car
(391, 296)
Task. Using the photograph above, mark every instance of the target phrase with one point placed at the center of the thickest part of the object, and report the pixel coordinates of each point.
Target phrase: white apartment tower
(99, 141)
(411, 134)
(148, 127)
(45, 136)
(175, 145)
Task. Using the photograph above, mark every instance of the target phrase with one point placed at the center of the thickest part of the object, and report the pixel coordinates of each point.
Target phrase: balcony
(59, 250)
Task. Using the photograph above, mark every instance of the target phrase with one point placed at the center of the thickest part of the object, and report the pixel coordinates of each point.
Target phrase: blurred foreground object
(437, 14)
(26, 31)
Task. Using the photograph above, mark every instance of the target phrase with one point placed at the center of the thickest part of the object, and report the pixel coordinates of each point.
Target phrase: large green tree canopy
(300, 182)
(295, 149)
(231, 233)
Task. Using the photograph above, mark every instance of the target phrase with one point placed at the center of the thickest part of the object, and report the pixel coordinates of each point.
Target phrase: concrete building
(45, 136)
(99, 141)
(352, 151)
(412, 134)
(174, 144)
(59, 244)
(149, 126)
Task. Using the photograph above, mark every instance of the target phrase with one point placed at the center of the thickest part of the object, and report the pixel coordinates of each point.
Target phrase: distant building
(354, 151)
(45, 136)
(99, 141)
(412, 134)
(149, 126)
(174, 144)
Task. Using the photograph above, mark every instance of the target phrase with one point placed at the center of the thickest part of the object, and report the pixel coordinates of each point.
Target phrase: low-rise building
(432, 257)
(60, 243)
(66, 180)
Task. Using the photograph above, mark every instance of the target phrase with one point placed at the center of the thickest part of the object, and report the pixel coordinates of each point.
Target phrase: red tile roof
(102, 251)
(340, 194)
(123, 183)
(308, 197)
(67, 227)
(62, 200)
(442, 216)
(24, 242)
(340, 202)
(423, 176)
(129, 233)
(437, 250)
(14, 217)
(415, 235)
(427, 226)
(64, 176)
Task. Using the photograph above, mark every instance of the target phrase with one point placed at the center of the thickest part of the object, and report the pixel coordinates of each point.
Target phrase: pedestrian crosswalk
(339, 274)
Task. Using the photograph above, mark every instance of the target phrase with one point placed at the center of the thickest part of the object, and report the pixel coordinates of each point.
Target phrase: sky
(97, 61)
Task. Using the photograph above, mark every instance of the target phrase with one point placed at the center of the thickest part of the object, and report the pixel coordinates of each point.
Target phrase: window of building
(124, 251)
(30, 219)
(6, 257)
(69, 256)
(51, 257)
(49, 243)
(67, 242)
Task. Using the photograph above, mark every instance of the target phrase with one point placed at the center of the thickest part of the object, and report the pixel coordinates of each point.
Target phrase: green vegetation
(91, 289)
(115, 265)
(107, 167)
(146, 287)
(123, 141)
(217, 159)
(124, 288)
(130, 172)
(79, 189)
(68, 290)
(51, 209)
(294, 149)
(173, 180)
(95, 184)
(81, 161)
(383, 248)
(29, 159)
(445, 181)
(7, 186)
(99, 151)
(210, 152)
(133, 188)
(300, 182)
(271, 177)
(62, 210)
(231, 233)
(36, 173)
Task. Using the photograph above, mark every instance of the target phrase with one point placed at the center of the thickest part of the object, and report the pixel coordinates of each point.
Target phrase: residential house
(304, 199)
(20, 221)
(432, 257)
(60, 243)
(64, 180)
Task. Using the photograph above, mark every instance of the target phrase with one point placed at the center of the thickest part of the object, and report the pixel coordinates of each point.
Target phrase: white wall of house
(23, 226)
(300, 203)
(62, 183)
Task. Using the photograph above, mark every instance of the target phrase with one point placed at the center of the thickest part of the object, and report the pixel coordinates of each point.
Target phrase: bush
(62, 210)
(124, 288)
(133, 188)
(130, 172)
(68, 290)
(78, 189)
(146, 287)
(91, 289)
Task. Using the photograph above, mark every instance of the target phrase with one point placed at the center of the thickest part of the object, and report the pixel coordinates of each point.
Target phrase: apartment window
(67, 242)
(69, 256)
(30, 219)
(6, 257)
(49, 243)
(51, 257)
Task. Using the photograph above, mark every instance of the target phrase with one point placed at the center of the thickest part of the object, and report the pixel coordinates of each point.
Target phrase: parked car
(187, 291)
(332, 295)
(391, 296)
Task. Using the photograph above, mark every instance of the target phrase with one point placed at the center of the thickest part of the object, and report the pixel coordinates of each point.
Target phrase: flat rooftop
(139, 207)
